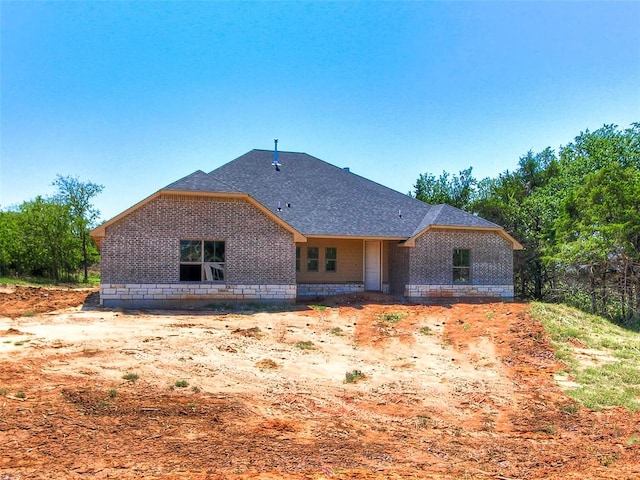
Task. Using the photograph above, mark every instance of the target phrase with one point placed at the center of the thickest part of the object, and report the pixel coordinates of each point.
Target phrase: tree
(10, 247)
(47, 240)
(456, 190)
(599, 233)
(77, 195)
(520, 201)
(577, 215)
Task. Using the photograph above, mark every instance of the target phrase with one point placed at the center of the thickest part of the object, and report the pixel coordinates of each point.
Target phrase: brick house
(281, 225)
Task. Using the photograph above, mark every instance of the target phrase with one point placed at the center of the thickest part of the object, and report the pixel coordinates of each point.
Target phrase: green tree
(10, 251)
(47, 239)
(77, 196)
(520, 202)
(576, 214)
(599, 235)
(454, 190)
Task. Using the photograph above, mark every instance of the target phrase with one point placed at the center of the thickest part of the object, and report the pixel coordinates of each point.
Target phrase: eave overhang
(515, 245)
(354, 237)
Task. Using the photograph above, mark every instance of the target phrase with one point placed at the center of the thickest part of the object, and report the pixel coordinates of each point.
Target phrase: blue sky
(136, 95)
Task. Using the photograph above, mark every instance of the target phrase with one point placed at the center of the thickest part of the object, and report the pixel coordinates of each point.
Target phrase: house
(275, 225)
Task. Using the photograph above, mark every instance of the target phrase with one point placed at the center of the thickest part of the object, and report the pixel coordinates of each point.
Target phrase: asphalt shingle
(447, 216)
(200, 181)
(317, 198)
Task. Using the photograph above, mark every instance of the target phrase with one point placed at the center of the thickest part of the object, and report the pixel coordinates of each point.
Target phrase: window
(461, 265)
(201, 260)
(297, 259)
(330, 259)
(312, 259)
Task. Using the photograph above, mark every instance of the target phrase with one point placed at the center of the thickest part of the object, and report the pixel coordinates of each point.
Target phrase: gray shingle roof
(199, 181)
(317, 198)
(447, 216)
(324, 199)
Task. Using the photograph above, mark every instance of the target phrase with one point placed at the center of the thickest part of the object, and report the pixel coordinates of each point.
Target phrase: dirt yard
(435, 392)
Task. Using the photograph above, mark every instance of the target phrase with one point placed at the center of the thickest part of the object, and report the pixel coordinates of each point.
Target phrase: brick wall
(144, 247)
(431, 260)
(141, 257)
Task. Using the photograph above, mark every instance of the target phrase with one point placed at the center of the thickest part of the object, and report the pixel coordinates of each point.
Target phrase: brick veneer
(141, 258)
(142, 250)
(431, 265)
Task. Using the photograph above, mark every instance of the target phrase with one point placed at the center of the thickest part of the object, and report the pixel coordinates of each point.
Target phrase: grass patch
(305, 345)
(130, 377)
(612, 376)
(569, 408)
(337, 331)
(391, 317)
(112, 393)
(75, 281)
(21, 395)
(181, 384)
(422, 421)
(607, 460)
(426, 331)
(353, 376)
(318, 307)
(27, 281)
(633, 439)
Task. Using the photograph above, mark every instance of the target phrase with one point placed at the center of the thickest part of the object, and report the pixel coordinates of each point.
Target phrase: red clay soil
(17, 301)
(74, 429)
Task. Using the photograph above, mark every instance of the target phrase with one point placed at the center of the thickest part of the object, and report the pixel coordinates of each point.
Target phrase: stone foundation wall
(327, 289)
(175, 294)
(504, 292)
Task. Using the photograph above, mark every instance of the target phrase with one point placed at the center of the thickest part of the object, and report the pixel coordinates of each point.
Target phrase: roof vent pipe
(346, 169)
(275, 155)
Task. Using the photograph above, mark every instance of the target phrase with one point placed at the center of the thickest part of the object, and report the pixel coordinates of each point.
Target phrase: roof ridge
(208, 174)
(438, 211)
(329, 164)
(183, 178)
(279, 151)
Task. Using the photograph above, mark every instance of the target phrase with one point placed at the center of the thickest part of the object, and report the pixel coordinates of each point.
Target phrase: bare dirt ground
(449, 391)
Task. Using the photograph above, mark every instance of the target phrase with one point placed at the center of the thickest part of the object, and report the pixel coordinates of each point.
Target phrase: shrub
(305, 345)
(353, 376)
(392, 317)
(130, 377)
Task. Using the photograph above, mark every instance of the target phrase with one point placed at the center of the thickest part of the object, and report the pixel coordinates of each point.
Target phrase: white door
(372, 265)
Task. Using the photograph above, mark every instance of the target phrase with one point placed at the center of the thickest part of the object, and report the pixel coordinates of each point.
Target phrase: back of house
(276, 226)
